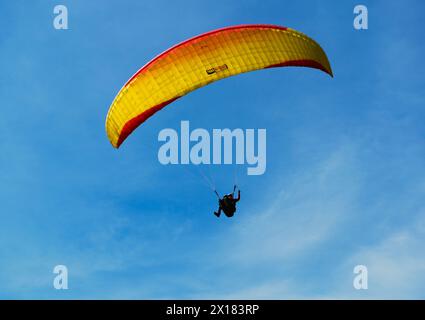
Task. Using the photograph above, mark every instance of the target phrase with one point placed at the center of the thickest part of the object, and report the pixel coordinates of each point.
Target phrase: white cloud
(396, 266)
(263, 254)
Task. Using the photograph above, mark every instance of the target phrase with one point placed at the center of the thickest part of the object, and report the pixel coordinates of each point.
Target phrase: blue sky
(345, 179)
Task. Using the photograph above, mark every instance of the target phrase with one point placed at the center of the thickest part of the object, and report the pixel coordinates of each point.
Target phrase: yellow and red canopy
(201, 60)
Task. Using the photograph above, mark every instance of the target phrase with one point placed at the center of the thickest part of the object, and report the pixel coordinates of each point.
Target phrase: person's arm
(239, 196)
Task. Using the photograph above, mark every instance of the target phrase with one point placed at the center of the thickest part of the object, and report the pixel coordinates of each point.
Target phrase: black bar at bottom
(210, 309)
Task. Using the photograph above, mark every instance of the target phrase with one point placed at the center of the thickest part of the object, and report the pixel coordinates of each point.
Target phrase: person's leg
(218, 213)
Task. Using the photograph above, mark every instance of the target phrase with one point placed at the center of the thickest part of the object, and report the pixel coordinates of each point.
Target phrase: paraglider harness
(227, 203)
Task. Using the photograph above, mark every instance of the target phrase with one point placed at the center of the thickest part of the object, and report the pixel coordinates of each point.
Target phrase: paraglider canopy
(203, 59)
